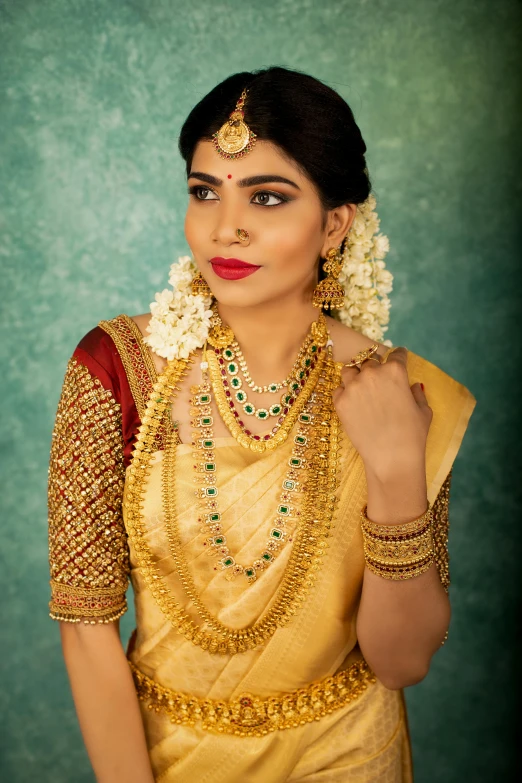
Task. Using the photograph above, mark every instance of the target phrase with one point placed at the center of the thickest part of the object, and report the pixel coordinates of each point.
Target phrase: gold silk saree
(304, 706)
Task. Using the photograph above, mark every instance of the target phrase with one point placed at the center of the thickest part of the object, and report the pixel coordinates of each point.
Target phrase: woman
(286, 539)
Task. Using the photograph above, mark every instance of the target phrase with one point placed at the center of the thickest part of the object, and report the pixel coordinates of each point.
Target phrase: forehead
(265, 158)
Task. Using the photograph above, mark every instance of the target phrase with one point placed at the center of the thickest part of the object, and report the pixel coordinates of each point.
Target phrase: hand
(386, 420)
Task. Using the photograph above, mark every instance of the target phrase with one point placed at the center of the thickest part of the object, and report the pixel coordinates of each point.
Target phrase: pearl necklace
(235, 360)
(271, 387)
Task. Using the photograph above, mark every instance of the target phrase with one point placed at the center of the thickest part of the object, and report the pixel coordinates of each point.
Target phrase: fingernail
(422, 386)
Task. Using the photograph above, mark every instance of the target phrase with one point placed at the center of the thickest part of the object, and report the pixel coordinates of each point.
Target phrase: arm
(106, 703)
(401, 625)
(89, 566)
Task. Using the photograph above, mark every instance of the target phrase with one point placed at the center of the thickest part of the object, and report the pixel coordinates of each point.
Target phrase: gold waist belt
(251, 716)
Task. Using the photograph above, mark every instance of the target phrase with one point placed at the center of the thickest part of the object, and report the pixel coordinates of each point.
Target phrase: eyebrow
(247, 182)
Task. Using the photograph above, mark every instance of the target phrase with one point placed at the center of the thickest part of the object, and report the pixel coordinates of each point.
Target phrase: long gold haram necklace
(308, 547)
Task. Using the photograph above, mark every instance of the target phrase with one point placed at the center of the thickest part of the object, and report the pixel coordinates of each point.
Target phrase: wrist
(399, 497)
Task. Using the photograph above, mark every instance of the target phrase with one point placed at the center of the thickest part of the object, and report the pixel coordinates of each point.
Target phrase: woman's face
(265, 194)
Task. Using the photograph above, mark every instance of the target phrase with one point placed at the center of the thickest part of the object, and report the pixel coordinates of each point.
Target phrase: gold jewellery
(246, 715)
(317, 506)
(234, 139)
(329, 293)
(363, 356)
(294, 402)
(399, 552)
(207, 492)
(200, 286)
(242, 234)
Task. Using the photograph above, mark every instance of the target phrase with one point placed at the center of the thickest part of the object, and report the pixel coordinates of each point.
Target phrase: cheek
(191, 227)
(295, 243)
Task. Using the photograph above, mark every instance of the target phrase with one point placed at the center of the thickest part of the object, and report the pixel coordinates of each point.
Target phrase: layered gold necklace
(320, 455)
(205, 466)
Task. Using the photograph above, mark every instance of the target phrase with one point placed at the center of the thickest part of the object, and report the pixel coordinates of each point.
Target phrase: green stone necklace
(288, 509)
(235, 362)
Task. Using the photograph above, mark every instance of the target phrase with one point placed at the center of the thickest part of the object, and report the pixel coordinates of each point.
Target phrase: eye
(201, 193)
(264, 197)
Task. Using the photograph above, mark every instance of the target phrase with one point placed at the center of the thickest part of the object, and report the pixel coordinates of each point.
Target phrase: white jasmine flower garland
(181, 321)
(365, 279)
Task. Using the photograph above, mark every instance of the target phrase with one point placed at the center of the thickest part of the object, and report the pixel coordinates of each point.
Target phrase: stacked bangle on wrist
(398, 551)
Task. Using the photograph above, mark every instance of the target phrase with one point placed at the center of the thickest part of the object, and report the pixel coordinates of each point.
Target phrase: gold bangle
(392, 551)
(392, 540)
(401, 563)
(395, 531)
(399, 575)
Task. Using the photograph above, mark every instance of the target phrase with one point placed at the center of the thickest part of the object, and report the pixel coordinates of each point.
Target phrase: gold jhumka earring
(200, 286)
(234, 139)
(329, 292)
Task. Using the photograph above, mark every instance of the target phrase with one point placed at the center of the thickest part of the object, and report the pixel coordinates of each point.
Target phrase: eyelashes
(195, 191)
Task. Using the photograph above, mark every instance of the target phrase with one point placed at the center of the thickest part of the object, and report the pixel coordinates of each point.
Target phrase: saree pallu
(323, 716)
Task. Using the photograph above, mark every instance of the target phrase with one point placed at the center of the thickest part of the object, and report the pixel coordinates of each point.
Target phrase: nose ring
(242, 234)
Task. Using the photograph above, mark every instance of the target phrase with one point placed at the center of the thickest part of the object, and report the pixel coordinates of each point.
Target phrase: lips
(232, 268)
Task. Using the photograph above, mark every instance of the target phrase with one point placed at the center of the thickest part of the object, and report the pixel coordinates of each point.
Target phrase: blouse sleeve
(440, 510)
(88, 551)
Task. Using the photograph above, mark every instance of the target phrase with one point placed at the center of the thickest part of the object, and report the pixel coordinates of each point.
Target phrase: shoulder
(141, 321)
(348, 342)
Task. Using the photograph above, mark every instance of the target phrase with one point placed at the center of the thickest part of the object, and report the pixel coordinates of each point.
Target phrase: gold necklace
(207, 492)
(234, 361)
(296, 399)
(235, 352)
(308, 547)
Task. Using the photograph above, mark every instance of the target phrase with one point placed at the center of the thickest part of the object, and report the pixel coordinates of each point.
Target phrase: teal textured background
(92, 198)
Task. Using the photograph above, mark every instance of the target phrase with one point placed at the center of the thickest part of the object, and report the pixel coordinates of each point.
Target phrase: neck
(269, 336)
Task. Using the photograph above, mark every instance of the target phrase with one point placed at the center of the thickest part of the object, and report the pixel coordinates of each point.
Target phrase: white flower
(180, 321)
(364, 277)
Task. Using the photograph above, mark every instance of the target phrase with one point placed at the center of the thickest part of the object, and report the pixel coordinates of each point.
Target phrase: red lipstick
(232, 268)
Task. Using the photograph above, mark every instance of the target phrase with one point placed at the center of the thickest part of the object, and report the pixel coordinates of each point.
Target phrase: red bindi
(230, 176)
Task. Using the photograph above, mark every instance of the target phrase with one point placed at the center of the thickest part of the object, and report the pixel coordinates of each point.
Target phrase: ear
(338, 222)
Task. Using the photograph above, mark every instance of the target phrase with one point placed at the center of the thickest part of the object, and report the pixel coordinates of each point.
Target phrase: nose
(229, 218)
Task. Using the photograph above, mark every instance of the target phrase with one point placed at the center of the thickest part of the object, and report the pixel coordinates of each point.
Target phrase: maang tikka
(329, 292)
(234, 139)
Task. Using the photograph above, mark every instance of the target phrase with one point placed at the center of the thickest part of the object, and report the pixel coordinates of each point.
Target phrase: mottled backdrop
(92, 199)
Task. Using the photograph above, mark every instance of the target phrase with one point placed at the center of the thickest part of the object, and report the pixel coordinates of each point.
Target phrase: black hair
(305, 118)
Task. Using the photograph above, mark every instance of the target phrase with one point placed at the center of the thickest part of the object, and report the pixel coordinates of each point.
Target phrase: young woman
(274, 482)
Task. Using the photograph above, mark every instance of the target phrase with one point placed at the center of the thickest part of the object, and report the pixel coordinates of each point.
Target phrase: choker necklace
(234, 361)
(235, 352)
(293, 401)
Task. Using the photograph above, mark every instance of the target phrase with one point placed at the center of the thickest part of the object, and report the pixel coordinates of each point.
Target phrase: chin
(236, 298)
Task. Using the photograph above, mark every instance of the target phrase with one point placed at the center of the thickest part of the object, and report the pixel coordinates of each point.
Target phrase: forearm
(401, 624)
(106, 703)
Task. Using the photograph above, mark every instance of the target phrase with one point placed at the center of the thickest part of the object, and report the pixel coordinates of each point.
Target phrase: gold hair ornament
(234, 139)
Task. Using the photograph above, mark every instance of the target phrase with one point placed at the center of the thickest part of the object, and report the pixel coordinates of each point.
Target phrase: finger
(419, 395)
(372, 363)
(348, 374)
(398, 355)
